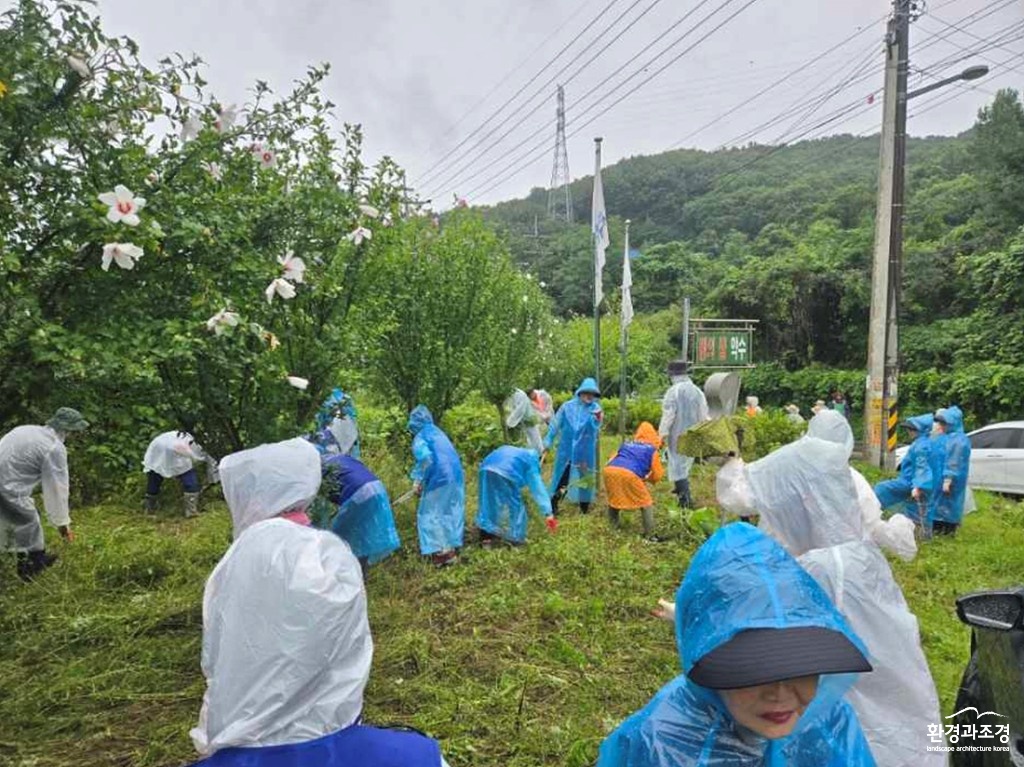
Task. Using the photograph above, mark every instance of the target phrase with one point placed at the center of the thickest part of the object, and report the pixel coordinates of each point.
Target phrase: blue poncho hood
(418, 418)
(740, 579)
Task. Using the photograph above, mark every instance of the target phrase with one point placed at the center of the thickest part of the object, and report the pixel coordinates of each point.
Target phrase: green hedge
(986, 392)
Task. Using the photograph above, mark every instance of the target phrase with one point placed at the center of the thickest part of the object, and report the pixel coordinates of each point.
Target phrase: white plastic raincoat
(683, 406)
(521, 412)
(172, 453)
(286, 642)
(809, 501)
(31, 456)
(269, 480)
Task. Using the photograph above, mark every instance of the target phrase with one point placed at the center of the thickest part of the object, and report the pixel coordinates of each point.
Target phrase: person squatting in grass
(172, 454)
(767, 660)
(576, 427)
(439, 482)
(913, 491)
(501, 512)
(286, 643)
(31, 456)
(626, 476)
(362, 515)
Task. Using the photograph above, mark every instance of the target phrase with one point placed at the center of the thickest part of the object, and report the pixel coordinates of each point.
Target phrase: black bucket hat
(763, 656)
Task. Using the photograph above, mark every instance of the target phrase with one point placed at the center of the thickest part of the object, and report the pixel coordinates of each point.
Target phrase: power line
(516, 95)
(654, 74)
(523, 62)
(449, 175)
(537, 132)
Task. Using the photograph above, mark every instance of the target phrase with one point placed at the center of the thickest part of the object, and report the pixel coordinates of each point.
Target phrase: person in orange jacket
(626, 476)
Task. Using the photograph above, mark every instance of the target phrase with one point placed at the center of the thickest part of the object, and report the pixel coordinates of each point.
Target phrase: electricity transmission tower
(559, 197)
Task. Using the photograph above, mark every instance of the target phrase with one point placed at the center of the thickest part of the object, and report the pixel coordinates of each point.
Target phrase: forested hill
(784, 235)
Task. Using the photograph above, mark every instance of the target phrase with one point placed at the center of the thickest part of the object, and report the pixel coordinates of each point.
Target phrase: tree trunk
(501, 419)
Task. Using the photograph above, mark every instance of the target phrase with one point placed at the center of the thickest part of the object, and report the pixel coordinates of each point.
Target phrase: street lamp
(971, 73)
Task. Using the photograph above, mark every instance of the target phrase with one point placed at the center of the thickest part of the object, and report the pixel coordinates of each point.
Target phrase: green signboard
(723, 348)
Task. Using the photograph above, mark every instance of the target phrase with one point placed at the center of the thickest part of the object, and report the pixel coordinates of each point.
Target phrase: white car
(997, 457)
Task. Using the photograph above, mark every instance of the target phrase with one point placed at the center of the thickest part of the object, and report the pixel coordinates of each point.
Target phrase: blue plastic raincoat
(337, 429)
(441, 516)
(740, 579)
(503, 475)
(916, 470)
(576, 427)
(364, 519)
(955, 447)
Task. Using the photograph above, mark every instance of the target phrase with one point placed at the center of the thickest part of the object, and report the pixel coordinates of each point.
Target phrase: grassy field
(516, 657)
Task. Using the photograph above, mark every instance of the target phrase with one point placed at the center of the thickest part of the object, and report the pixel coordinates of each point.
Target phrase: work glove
(916, 494)
(947, 485)
(66, 534)
(665, 610)
(417, 489)
(552, 524)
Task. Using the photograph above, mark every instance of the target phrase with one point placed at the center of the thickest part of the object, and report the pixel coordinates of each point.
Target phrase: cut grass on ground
(516, 657)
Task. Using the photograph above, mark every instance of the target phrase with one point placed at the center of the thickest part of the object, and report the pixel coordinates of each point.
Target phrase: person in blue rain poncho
(576, 427)
(912, 491)
(504, 474)
(364, 518)
(440, 483)
(947, 508)
(337, 430)
(767, 660)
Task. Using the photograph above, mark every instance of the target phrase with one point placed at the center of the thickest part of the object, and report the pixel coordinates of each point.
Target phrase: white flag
(599, 225)
(627, 286)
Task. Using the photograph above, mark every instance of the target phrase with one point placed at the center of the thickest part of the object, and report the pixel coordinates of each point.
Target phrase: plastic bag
(709, 438)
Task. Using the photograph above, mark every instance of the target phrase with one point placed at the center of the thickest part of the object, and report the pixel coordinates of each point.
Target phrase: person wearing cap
(287, 648)
(808, 501)
(767, 660)
(947, 508)
(542, 403)
(439, 481)
(172, 454)
(626, 476)
(819, 405)
(683, 406)
(577, 428)
(501, 513)
(912, 492)
(793, 414)
(31, 456)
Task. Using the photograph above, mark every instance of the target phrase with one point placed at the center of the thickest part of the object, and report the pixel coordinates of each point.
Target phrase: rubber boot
(648, 520)
(149, 503)
(584, 507)
(555, 500)
(32, 563)
(613, 517)
(191, 501)
(682, 491)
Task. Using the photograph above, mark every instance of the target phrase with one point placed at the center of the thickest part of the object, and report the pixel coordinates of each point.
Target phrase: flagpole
(598, 217)
(625, 337)
(597, 273)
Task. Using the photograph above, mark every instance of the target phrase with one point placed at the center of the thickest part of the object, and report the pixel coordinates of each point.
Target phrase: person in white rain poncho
(520, 412)
(286, 642)
(826, 515)
(683, 406)
(171, 454)
(31, 456)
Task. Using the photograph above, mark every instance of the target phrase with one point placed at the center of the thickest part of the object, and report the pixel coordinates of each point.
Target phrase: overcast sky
(410, 71)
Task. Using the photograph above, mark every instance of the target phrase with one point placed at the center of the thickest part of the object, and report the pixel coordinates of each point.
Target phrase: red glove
(552, 524)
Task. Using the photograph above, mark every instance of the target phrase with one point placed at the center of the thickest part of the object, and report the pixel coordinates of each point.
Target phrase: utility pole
(881, 401)
(559, 197)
